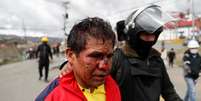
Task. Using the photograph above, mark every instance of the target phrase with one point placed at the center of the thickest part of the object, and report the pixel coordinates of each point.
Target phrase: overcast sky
(45, 17)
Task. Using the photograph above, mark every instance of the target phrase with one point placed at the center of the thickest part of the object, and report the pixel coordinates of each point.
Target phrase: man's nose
(104, 64)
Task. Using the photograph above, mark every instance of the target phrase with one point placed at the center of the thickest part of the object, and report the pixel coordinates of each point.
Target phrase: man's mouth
(100, 77)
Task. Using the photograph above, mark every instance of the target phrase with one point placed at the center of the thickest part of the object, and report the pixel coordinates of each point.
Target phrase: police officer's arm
(168, 90)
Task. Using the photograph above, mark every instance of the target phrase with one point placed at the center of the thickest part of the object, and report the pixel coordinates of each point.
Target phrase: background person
(44, 52)
(192, 67)
(171, 57)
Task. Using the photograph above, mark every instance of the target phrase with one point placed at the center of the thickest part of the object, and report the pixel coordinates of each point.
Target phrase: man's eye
(100, 56)
(109, 56)
(96, 56)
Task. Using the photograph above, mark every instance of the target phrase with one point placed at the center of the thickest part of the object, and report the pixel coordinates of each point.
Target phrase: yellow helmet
(44, 39)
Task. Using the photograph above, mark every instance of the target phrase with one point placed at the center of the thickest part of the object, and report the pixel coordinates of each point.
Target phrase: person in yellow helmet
(44, 52)
(44, 39)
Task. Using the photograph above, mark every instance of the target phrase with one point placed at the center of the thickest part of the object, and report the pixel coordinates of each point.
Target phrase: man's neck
(83, 85)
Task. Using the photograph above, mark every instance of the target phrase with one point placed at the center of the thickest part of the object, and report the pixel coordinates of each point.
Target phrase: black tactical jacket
(142, 80)
(44, 52)
(193, 62)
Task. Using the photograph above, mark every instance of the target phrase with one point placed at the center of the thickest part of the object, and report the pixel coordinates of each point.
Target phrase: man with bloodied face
(89, 53)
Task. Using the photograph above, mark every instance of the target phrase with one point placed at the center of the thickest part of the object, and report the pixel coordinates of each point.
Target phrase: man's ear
(70, 55)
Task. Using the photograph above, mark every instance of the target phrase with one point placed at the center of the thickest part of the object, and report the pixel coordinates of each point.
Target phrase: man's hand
(65, 70)
(187, 68)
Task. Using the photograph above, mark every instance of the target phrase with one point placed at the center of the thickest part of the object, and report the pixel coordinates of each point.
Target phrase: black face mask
(140, 46)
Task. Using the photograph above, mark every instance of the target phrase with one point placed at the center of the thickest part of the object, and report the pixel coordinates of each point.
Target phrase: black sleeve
(50, 52)
(168, 91)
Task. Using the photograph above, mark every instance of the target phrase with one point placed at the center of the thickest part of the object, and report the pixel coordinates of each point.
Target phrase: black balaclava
(140, 46)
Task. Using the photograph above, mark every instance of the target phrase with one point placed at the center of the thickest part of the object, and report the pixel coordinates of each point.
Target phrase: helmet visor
(152, 19)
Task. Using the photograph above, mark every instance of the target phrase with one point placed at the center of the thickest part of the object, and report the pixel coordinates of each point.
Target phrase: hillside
(13, 48)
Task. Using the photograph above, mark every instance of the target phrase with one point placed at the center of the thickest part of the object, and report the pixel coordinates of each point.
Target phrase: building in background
(182, 27)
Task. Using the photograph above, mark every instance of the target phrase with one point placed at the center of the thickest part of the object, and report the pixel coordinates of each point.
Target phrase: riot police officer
(138, 67)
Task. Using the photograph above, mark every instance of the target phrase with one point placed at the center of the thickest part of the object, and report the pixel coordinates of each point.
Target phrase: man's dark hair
(90, 27)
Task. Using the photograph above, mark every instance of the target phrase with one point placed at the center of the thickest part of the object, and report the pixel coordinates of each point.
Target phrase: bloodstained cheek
(106, 66)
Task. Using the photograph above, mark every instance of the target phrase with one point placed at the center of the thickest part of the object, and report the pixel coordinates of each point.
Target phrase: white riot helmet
(149, 18)
(193, 44)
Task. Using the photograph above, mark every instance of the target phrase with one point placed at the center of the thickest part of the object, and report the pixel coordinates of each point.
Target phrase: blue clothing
(190, 94)
(47, 90)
